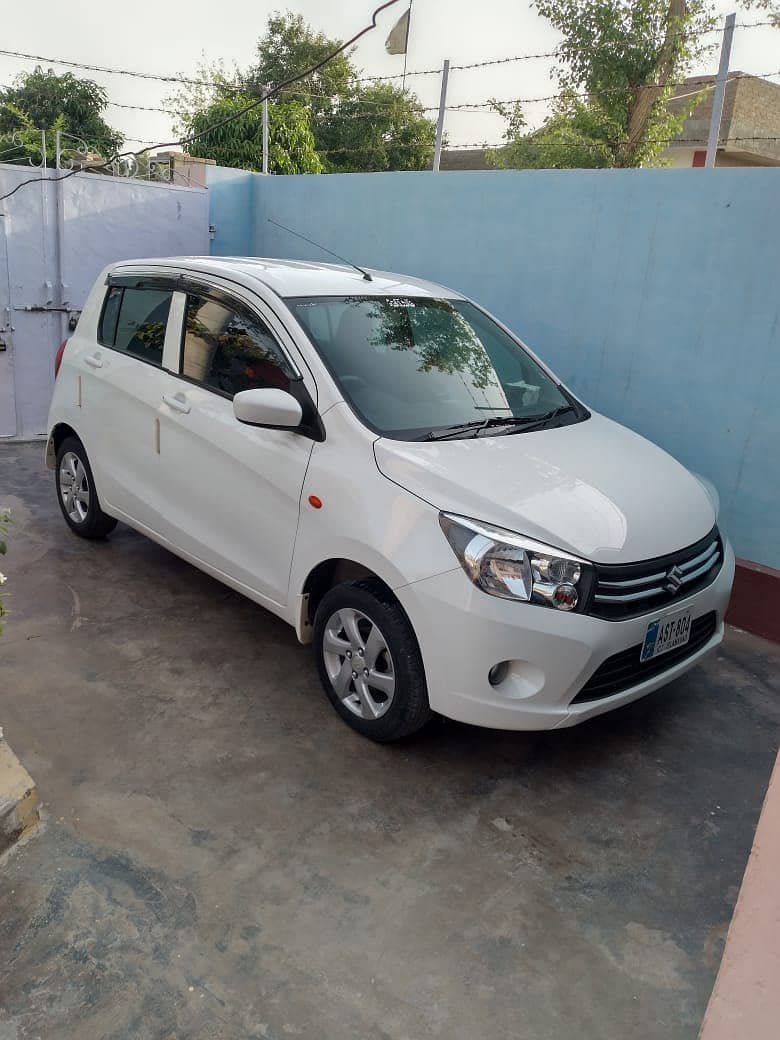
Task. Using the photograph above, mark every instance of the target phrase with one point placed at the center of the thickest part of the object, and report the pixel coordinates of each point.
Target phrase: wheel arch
(57, 435)
(323, 577)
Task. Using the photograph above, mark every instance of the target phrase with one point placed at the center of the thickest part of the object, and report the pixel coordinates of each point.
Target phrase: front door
(231, 492)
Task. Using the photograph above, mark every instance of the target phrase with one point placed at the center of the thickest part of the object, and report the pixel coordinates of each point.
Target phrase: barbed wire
(188, 139)
(488, 106)
(705, 82)
(202, 82)
(547, 54)
(478, 107)
(483, 146)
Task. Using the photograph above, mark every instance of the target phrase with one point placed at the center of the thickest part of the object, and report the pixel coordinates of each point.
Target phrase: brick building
(751, 111)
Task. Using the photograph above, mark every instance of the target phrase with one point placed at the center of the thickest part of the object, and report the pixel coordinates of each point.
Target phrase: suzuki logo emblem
(673, 580)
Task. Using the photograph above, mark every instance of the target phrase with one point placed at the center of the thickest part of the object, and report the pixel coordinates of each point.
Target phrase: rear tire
(76, 492)
(369, 662)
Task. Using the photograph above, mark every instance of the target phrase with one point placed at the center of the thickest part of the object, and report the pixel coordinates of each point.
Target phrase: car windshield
(415, 367)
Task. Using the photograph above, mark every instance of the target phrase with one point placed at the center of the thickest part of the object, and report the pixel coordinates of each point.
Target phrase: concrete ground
(223, 858)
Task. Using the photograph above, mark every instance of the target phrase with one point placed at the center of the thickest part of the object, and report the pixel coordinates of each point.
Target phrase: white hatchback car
(389, 469)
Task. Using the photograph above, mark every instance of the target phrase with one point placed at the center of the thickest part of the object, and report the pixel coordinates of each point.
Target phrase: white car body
(171, 460)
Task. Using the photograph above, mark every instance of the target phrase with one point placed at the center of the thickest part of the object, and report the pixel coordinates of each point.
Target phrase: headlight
(508, 565)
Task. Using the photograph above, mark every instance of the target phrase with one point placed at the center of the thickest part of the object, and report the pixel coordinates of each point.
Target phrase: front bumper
(463, 632)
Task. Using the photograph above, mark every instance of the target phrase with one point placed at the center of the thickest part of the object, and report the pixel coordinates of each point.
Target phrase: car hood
(593, 488)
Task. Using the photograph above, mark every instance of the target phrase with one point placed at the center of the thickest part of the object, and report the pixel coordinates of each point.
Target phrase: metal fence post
(720, 90)
(266, 88)
(445, 75)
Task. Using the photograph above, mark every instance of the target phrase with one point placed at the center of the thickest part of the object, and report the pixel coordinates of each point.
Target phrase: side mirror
(267, 406)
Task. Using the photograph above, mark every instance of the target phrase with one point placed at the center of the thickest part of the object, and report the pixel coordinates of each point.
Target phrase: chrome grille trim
(622, 591)
(710, 551)
(628, 597)
(692, 575)
(631, 581)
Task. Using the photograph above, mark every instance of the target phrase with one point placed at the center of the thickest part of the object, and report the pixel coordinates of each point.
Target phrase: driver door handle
(177, 402)
(94, 360)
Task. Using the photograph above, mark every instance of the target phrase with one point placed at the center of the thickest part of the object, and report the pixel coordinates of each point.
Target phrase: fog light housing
(565, 596)
(498, 673)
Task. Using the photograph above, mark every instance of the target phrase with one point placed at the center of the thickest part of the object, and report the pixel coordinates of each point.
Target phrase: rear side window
(229, 349)
(134, 321)
(110, 316)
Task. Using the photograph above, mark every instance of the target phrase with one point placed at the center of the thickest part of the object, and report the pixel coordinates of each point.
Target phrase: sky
(167, 39)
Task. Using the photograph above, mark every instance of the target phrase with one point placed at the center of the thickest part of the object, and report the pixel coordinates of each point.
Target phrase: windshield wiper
(474, 427)
(513, 423)
(532, 422)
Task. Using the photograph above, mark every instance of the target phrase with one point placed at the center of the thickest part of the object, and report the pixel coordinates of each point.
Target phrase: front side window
(230, 349)
(415, 367)
(134, 321)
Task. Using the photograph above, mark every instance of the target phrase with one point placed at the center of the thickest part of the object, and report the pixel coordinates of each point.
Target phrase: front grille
(629, 590)
(624, 670)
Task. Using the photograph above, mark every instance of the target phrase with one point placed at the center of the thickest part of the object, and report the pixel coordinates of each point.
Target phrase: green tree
(239, 143)
(41, 100)
(618, 64)
(288, 47)
(356, 126)
(380, 127)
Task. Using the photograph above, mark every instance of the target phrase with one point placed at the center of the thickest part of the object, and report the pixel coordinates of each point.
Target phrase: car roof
(289, 278)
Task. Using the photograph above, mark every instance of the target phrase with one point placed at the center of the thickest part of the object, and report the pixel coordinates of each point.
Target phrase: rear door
(123, 381)
(230, 492)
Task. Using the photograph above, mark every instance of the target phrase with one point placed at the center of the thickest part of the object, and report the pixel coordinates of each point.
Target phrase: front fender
(364, 517)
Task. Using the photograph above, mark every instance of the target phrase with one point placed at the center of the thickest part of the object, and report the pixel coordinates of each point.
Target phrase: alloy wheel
(358, 662)
(74, 487)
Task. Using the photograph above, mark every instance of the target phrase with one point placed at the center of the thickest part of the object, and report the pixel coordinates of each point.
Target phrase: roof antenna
(363, 271)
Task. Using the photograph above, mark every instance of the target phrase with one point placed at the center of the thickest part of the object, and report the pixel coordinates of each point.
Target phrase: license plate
(665, 634)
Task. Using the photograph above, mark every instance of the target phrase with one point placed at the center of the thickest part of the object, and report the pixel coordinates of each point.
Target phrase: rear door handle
(94, 361)
(177, 402)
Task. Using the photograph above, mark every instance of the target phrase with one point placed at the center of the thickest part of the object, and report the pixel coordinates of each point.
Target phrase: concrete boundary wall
(653, 293)
(55, 237)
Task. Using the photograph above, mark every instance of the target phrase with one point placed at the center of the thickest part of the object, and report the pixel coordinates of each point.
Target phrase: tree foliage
(41, 100)
(380, 128)
(288, 47)
(240, 142)
(617, 66)
(357, 126)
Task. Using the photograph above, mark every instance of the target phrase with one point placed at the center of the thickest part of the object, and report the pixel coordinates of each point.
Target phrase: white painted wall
(54, 240)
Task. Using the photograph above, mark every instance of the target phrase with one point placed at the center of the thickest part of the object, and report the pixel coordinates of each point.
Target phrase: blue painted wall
(653, 293)
(231, 210)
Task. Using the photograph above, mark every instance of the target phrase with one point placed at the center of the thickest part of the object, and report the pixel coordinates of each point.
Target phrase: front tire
(76, 492)
(369, 661)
